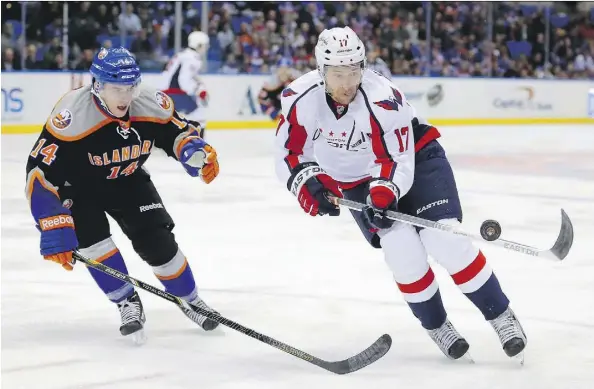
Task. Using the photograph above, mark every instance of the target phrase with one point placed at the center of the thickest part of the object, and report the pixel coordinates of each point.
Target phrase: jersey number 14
(115, 171)
(48, 152)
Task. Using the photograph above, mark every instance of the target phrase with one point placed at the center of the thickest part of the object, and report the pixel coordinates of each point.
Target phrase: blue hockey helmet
(116, 66)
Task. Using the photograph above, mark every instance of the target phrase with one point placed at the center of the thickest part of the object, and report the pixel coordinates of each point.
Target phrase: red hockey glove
(311, 185)
(383, 196)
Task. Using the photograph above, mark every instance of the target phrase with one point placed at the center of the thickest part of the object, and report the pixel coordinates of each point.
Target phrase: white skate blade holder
(138, 338)
(467, 358)
(520, 358)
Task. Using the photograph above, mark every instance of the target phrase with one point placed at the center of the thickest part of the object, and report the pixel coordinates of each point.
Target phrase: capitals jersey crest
(288, 92)
(391, 104)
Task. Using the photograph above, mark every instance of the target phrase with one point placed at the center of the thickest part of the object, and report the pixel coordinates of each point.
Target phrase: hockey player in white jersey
(348, 131)
(181, 81)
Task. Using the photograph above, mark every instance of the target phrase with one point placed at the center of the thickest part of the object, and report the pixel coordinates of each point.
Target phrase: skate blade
(519, 358)
(467, 358)
(138, 338)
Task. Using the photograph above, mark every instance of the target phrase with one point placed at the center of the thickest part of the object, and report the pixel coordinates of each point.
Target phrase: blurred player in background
(182, 83)
(374, 62)
(270, 94)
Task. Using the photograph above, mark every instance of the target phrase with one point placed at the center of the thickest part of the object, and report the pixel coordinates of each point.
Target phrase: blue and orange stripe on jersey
(43, 197)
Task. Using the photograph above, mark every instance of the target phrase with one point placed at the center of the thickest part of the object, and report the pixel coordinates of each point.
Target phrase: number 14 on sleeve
(48, 152)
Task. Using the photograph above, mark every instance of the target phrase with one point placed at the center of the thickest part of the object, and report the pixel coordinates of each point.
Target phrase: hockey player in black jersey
(270, 94)
(88, 162)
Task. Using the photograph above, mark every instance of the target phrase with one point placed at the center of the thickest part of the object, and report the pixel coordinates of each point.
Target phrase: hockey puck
(490, 230)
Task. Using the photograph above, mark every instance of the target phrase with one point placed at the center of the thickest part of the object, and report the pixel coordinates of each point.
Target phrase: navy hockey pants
(433, 195)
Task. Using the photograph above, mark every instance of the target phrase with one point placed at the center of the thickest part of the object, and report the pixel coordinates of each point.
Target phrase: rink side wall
(28, 98)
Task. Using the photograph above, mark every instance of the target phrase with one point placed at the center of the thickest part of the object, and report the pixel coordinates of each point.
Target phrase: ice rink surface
(313, 283)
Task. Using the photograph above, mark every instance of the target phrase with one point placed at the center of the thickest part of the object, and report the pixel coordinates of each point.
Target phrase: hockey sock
(107, 253)
(478, 282)
(177, 278)
(424, 300)
(430, 313)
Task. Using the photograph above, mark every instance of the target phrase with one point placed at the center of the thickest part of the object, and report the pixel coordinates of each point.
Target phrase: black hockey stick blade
(359, 361)
(565, 239)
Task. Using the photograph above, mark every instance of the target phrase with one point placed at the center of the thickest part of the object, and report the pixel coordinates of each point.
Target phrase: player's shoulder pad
(152, 105)
(191, 58)
(75, 116)
(381, 95)
(304, 86)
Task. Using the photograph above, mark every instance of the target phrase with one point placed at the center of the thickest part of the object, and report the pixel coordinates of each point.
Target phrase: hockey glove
(58, 239)
(383, 196)
(199, 159)
(311, 185)
(202, 95)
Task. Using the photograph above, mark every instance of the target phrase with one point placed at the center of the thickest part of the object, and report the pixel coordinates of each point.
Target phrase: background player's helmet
(115, 66)
(198, 41)
(339, 46)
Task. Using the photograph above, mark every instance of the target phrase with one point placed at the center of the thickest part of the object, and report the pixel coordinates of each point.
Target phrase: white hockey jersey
(182, 72)
(373, 137)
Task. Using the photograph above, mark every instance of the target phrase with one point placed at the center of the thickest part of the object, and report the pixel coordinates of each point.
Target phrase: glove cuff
(383, 193)
(301, 173)
(55, 222)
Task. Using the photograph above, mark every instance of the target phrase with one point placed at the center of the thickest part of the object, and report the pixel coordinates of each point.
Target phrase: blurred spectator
(53, 55)
(374, 62)
(225, 36)
(86, 60)
(231, 66)
(31, 61)
(254, 36)
(105, 20)
(142, 46)
(129, 21)
(10, 61)
(84, 27)
(8, 37)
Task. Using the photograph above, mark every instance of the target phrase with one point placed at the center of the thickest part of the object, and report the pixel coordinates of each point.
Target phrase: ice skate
(133, 318)
(511, 334)
(205, 323)
(450, 342)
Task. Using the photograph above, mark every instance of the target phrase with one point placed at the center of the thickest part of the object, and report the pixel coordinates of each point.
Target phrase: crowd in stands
(252, 37)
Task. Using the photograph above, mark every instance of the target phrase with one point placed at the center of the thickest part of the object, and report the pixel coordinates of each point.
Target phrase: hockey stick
(558, 252)
(371, 354)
